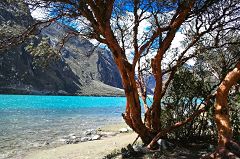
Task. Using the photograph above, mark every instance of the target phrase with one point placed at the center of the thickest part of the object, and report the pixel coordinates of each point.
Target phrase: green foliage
(20, 3)
(186, 84)
(43, 54)
(9, 29)
(234, 103)
(186, 93)
(218, 61)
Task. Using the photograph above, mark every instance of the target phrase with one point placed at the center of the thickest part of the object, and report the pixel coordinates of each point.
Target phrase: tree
(225, 133)
(116, 24)
(223, 70)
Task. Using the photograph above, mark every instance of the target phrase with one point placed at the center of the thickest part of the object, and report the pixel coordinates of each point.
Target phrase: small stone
(123, 130)
(164, 144)
(62, 140)
(73, 137)
(65, 137)
(75, 141)
(141, 149)
(96, 137)
(84, 139)
(90, 132)
(130, 129)
(107, 134)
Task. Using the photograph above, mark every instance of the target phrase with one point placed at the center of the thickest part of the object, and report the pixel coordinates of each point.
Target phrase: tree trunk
(132, 115)
(155, 110)
(221, 115)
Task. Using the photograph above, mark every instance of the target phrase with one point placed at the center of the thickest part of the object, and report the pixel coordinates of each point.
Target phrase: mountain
(85, 60)
(79, 68)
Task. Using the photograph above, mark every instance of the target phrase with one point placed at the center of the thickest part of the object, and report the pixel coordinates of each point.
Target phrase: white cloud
(176, 43)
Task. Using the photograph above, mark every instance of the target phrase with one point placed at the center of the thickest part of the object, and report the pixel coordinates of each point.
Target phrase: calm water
(27, 122)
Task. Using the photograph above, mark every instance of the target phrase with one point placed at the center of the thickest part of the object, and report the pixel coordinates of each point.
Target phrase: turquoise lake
(29, 121)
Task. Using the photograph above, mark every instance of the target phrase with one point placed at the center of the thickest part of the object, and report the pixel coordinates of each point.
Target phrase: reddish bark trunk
(221, 115)
(132, 115)
(142, 89)
(155, 110)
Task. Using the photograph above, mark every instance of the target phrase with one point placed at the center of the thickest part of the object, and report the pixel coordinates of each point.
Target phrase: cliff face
(18, 73)
(77, 70)
(85, 60)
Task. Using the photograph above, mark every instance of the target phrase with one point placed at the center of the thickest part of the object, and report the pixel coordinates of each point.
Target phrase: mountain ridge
(75, 72)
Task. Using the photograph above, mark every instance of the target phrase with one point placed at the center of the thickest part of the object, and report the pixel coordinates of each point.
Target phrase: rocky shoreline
(72, 138)
(91, 135)
(101, 144)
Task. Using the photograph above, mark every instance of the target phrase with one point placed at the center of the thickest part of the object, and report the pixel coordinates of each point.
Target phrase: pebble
(72, 141)
(106, 134)
(73, 137)
(130, 129)
(72, 134)
(96, 137)
(88, 135)
(123, 130)
(62, 140)
(84, 139)
(65, 137)
(164, 144)
(90, 132)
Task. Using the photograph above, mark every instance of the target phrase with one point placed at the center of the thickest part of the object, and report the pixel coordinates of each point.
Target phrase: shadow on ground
(178, 151)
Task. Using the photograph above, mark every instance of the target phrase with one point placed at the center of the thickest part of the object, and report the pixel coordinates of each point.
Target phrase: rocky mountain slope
(85, 60)
(80, 69)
